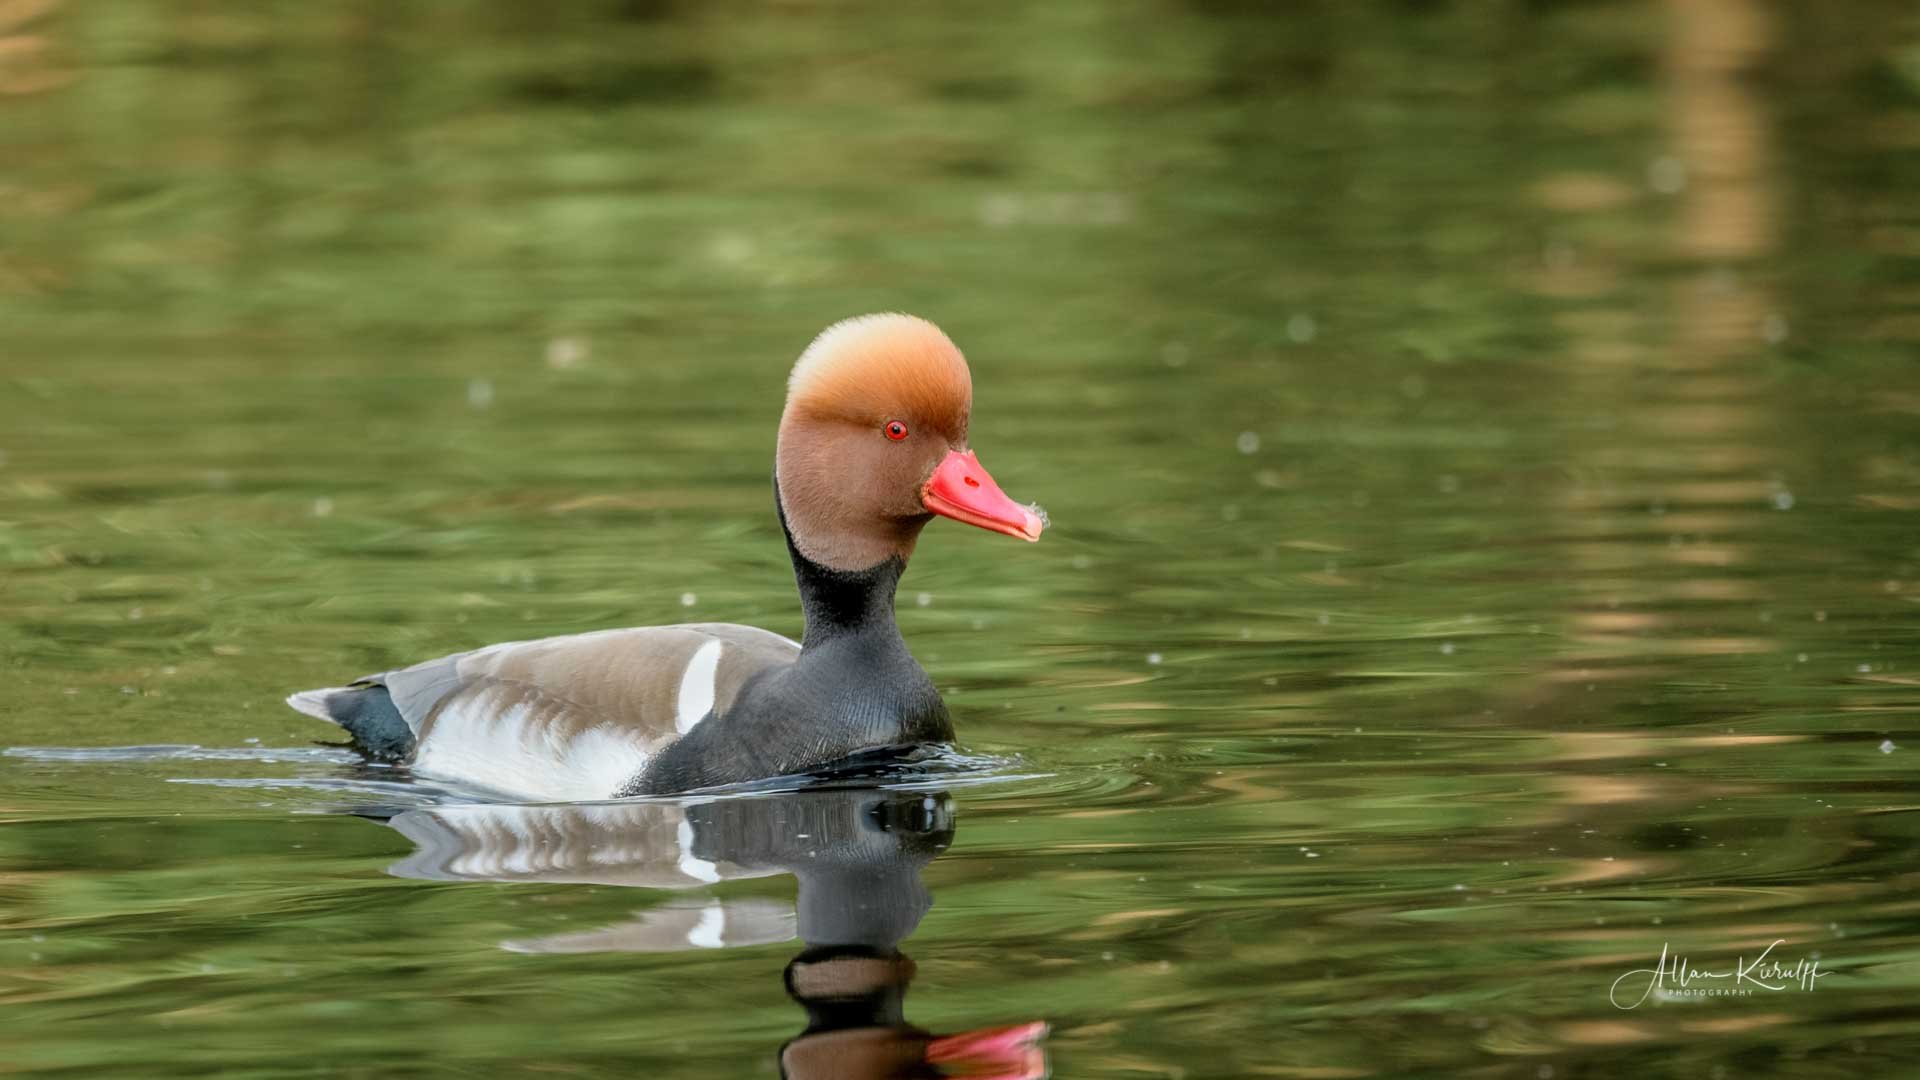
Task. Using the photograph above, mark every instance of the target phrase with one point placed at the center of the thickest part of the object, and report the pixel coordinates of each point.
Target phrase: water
(1480, 446)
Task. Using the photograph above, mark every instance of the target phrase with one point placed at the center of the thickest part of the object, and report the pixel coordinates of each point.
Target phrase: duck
(872, 446)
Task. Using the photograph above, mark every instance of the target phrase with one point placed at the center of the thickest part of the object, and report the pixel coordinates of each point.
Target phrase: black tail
(367, 712)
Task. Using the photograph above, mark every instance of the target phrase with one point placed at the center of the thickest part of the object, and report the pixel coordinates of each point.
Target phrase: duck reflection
(857, 856)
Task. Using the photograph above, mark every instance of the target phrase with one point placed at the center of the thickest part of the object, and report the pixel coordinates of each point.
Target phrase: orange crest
(876, 368)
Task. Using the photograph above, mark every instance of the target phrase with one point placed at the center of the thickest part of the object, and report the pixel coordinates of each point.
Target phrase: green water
(1480, 440)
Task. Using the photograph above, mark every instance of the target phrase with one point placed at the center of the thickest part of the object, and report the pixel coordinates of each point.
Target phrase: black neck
(853, 690)
(838, 603)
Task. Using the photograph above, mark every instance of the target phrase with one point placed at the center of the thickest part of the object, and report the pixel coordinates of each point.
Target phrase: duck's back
(558, 719)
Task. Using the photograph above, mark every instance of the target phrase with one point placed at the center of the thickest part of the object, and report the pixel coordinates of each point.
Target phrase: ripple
(941, 768)
(187, 752)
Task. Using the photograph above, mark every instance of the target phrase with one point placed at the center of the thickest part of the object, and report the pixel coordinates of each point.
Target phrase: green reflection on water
(1478, 437)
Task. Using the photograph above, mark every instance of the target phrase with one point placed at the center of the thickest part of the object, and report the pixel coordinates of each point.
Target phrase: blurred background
(1479, 436)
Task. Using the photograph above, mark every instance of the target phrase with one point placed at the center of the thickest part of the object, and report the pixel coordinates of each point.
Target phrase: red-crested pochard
(872, 446)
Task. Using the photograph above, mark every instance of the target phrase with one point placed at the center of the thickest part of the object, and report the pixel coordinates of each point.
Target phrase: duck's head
(873, 445)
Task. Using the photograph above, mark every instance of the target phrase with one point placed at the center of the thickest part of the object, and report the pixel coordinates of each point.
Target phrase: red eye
(896, 430)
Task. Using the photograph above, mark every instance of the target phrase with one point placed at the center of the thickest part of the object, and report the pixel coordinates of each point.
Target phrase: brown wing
(569, 718)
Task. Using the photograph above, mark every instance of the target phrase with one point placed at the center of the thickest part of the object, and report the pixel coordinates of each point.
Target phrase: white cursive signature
(1762, 974)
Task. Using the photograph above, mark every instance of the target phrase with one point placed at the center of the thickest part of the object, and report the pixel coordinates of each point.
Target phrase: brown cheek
(892, 483)
(875, 476)
(923, 474)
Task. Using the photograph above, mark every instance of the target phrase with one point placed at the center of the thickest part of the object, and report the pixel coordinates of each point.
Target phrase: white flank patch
(706, 933)
(691, 865)
(512, 753)
(697, 687)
